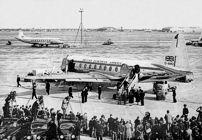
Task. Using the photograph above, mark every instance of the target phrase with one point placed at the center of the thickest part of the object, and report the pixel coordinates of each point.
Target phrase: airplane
(195, 42)
(175, 67)
(39, 41)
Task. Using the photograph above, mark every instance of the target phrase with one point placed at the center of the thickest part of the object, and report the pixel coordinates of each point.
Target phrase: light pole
(81, 10)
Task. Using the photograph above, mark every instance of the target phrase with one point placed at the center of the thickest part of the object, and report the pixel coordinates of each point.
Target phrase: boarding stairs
(131, 81)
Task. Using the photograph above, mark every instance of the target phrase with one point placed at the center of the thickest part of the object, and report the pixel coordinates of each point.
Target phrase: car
(68, 130)
(10, 128)
(37, 130)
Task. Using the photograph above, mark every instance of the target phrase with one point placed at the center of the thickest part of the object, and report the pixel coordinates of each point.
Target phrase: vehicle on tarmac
(67, 130)
(108, 42)
(36, 130)
(10, 129)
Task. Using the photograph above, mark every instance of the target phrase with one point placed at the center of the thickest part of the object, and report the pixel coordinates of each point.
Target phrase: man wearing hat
(185, 111)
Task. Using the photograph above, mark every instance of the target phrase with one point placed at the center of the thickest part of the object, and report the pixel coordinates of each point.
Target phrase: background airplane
(39, 41)
(175, 67)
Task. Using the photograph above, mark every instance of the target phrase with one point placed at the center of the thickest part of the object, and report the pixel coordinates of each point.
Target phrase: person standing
(99, 91)
(128, 131)
(86, 94)
(137, 96)
(99, 131)
(59, 116)
(174, 94)
(47, 87)
(35, 109)
(142, 94)
(65, 104)
(83, 95)
(18, 81)
(70, 91)
(185, 111)
(168, 118)
(34, 90)
(52, 130)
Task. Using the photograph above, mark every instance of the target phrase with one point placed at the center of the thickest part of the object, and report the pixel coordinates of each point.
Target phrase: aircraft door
(124, 70)
(71, 65)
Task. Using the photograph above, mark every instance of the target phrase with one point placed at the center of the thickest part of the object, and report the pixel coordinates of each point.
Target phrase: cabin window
(80, 65)
(85, 66)
(105, 67)
(100, 67)
(110, 68)
(95, 66)
(116, 69)
(90, 66)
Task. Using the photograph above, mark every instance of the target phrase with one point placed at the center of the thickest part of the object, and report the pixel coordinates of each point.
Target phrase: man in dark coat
(91, 127)
(18, 81)
(47, 87)
(185, 111)
(175, 130)
(34, 90)
(142, 94)
(110, 124)
(174, 94)
(83, 95)
(70, 91)
(99, 131)
(137, 96)
(86, 94)
(52, 129)
(99, 91)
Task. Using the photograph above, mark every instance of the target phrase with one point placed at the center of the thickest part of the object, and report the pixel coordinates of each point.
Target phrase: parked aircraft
(175, 67)
(39, 41)
(195, 42)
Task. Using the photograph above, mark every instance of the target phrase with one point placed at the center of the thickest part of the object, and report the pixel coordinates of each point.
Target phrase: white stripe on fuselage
(109, 65)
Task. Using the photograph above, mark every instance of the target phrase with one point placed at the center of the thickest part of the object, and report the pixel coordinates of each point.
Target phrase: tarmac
(19, 60)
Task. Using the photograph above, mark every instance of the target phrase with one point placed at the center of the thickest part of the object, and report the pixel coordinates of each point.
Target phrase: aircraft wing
(170, 77)
(170, 70)
(75, 77)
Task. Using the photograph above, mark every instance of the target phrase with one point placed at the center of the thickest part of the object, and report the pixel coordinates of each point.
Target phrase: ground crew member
(34, 90)
(18, 81)
(70, 91)
(174, 94)
(47, 87)
(99, 91)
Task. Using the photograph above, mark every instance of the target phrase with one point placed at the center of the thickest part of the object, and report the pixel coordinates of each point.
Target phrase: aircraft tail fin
(21, 35)
(177, 55)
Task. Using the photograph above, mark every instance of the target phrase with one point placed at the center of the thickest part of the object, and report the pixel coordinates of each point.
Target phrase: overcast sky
(129, 14)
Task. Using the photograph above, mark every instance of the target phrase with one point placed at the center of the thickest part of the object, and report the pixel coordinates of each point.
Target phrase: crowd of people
(180, 127)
